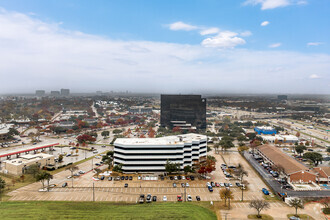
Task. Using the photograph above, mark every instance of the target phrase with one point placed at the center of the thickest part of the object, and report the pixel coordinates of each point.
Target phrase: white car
(69, 177)
(183, 177)
(189, 199)
(139, 177)
(208, 184)
(187, 184)
(164, 198)
(175, 178)
(230, 185)
(222, 184)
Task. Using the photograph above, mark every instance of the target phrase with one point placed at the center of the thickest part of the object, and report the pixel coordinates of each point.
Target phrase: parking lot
(105, 190)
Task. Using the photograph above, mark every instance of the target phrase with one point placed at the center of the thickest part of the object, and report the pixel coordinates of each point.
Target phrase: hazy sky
(243, 46)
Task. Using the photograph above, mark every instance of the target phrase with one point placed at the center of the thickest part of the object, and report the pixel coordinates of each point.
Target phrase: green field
(102, 210)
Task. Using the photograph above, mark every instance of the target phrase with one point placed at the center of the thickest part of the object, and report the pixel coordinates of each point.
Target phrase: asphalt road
(276, 186)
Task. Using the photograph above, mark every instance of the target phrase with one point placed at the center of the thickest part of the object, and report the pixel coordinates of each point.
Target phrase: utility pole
(93, 193)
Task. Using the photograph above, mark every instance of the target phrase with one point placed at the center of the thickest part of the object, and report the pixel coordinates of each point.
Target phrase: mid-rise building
(140, 110)
(190, 109)
(40, 92)
(149, 155)
(55, 93)
(65, 92)
(282, 97)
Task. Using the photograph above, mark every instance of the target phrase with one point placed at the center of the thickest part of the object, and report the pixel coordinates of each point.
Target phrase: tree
(72, 168)
(243, 148)
(171, 167)
(42, 176)
(226, 194)
(48, 177)
(2, 187)
(226, 144)
(98, 171)
(297, 204)
(188, 169)
(105, 134)
(240, 173)
(22, 177)
(241, 138)
(117, 168)
(85, 138)
(300, 149)
(211, 158)
(60, 158)
(259, 205)
(216, 148)
(307, 143)
(107, 159)
(33, 169)
(314, 157)
(298, 134)
(117, 131)
(328, 149)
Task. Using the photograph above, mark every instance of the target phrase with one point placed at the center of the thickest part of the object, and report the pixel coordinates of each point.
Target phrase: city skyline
(252, 46)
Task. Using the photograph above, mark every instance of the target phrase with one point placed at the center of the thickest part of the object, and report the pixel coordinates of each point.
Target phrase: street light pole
(93, 193)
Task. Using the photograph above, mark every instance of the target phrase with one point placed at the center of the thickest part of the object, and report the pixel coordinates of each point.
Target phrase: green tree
(171, 167)
(300, 149)
(117, 131)
(211, 158)
(297, 204)
(117, 168)
(33, 169)
(241, 138)
(41, 177)
(107, 160)
(188, 169)
(259, 205)
(105, 134)
(226, 144)
(2, 187)
(314, 157)
(48, 177)
(328, 149)
(60, 158)
(72, 168)
(216, 148)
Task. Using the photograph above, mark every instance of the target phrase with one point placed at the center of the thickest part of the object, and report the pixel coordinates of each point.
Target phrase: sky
(172, 46)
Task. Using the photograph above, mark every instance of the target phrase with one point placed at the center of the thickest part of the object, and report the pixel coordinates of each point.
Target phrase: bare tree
(240, 173)
(259, 205)
(72, 168)
(297, 204)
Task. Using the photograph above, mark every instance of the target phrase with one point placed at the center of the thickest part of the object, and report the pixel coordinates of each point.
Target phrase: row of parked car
(149, 198)
(224, 169)
(182, 178)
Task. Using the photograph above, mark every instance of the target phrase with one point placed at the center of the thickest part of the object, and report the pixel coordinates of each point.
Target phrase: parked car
(141, 198)
(148, 200)
(174, 185)
(102, 177)
(164, 198)
(130, 178)
(189, 199)
(110, 178)
(154, 198)
(217, 184)
(65, 184)
(126, 185)
(187, 184)
(179, 198)
(122, 178)
(265, 191)
(198, 198)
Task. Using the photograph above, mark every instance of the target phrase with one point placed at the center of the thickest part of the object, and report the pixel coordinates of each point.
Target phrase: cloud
(225, 39)
(209, 31)
(314, 43)
(272, 4)
(275, 45)
(246, 33)
(314, 76)
(180, 26)
(54, 58)
(264, 23)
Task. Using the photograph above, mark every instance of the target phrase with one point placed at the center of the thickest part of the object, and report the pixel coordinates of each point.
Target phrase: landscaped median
(102, 210)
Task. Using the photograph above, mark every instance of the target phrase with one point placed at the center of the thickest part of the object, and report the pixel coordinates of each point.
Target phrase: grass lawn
(102, 210)
(263, 216)
(302, 216)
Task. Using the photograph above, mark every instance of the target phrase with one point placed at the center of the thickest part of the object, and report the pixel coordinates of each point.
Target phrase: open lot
(88, 210)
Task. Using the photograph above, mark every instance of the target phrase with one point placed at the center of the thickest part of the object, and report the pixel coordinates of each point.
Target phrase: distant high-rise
(40, 92)
(282, 97)
(65, 92)
(178, 109)
(55, 93)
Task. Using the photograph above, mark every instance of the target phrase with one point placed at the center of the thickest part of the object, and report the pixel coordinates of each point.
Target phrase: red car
(179, 198)
(217, 184)
(187, 178)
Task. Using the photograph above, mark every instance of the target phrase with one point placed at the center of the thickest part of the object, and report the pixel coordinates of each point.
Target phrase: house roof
(279, 158)
(325, 173)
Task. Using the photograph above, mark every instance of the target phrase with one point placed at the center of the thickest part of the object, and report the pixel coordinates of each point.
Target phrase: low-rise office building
(265, 130)
(149, 155)
(281, 138)
(295, 171)
(17, 166)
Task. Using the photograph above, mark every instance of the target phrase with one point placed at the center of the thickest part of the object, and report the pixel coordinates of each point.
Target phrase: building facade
(190, 109)
(40, 92)
(65, 92)
(149, 155)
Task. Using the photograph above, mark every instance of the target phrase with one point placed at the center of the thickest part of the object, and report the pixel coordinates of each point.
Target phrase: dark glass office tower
(183, 108)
